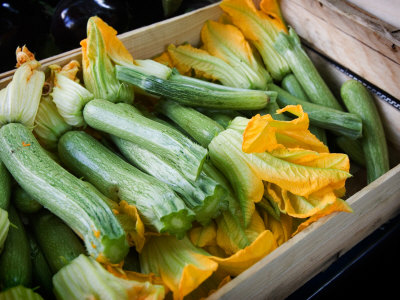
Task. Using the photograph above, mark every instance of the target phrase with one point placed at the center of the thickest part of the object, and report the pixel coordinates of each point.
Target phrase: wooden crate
(359, 43)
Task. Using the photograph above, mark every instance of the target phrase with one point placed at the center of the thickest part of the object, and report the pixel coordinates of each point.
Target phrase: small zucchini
(15, 260)
(24, 203)
(359, 101)
(59, 244)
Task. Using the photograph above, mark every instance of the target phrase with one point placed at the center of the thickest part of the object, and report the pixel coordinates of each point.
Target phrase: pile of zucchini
(87, 174)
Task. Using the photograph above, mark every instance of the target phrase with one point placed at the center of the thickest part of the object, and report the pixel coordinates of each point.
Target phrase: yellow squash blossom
(261, 27)
(181, 265)
(282, 229)
(101, 51)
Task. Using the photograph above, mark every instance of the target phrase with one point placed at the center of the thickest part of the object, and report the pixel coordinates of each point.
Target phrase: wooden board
(364, 44)
(296, 261)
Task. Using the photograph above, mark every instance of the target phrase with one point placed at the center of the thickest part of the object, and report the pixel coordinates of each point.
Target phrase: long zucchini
(159, 206)
(342, 123)
(124, 121)
(62, 193)
(60, 245)
(196, 93)
(200, 127)
(15, 260)
(204, 195)
(358, 101)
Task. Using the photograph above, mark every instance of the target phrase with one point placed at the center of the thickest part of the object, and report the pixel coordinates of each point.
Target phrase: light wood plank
(314, 249)
(345, 39)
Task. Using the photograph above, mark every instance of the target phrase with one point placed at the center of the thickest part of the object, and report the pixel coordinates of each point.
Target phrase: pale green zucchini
(124, 121)
(62, 193)
(161, 209)
(204, 196)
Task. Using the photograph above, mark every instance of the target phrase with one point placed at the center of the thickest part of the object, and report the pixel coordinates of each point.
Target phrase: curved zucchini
(204, 196)
(125, 121)
(62, 193)
(15, 260)
(24, 202)
(359, 101)
(200, 127)
(352, 148)
(5, 186)
(342, 123)
(159, 206)
(59, 244)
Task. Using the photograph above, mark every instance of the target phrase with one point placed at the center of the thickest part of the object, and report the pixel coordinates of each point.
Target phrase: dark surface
(368, 270)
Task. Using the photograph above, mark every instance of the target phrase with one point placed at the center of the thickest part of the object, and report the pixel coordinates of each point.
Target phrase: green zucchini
(62, 193)
(18, 293)
(342, 123)
(359, 101)
(289, 46)
(124, 121)
(15, 260)
(352, 148)
(5, 186)
(204, 196)
(4, 227)
(200, 127)
(41, 273)
(222, 117)
(59, 244)
(24, 202)
(160, 208)
(292, 86)
(195, 92)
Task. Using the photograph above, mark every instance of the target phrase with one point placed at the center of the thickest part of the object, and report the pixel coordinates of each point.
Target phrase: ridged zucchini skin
(124, 121)
(342, 123)
(359, 101)
(5, 186)
(189, 92)
(205, 196)
(62, 193)
(59, 244)
(15, 260)
(23, 202)
(158, 205)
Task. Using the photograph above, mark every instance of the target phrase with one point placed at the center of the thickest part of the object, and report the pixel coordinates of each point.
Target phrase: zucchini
(342, 123)
(62, 193)
(200, 127)
(24, 202)
(292, 86)
(195, 92)
(359, 101)
(204, 196)
(124, 121)
(41, 273)
(4, 227)
(59, 244)
(5, 186)
(289, 46)
(15, 260)
(160, 208)
(18, 293)
(222, 117)
(352, 148)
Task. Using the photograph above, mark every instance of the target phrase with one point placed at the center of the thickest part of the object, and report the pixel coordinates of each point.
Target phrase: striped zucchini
(159, 206)
(125, 121)
(62, 193)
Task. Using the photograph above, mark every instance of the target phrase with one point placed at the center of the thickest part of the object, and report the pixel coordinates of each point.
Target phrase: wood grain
(314, 249)
(347, 36)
